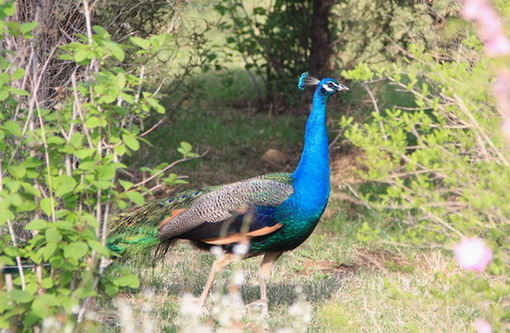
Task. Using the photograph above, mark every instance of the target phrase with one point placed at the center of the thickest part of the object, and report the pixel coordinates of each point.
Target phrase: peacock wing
(136, 230)
(244, 208)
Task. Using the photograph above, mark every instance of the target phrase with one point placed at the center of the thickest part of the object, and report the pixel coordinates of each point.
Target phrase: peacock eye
(330, 84)
(196, 193)
(170, 200)
(183, 197)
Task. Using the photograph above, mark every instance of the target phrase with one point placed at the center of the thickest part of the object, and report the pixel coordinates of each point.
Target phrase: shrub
(59, 169)
(440, 166)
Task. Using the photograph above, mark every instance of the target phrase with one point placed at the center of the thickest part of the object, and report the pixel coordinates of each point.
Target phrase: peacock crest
(307, 80)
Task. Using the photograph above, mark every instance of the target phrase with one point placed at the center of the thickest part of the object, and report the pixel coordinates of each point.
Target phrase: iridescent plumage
(271, 214)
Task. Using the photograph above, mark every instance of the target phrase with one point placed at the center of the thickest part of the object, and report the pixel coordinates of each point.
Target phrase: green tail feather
(135, 234)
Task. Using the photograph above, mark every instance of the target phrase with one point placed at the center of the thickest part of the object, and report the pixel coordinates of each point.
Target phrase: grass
(334, 282)
(331, 283)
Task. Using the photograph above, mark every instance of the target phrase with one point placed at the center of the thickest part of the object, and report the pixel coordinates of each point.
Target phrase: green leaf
(4, 78)
(106, 172)
(130, 280)
(20, 296)
(125, 184)
(173, 179)
(5, 215)
(57, 140)
(65, 184)
(57, 262)
(47, 283)
(99, 248)
(12, 251)
(100, 30)
(92, 122)
(4, 93)
(15, 199)
(17, 171)
(12, 127)
(53, 235)
(84, 153)
(65, 56)
(46, 205)
(131, 142)
(135, 197)
(48, 250)
(140, 42)
(32, 162)
(185, 149)
(36, 224)
(81, 55)
(8, 8)
(19, 92)
(4, 260)
(259, 11)
(91, 220)
(18, 74)
(103, 184)
(75, 250)
(27, 27)
(121, 80)
(69, 303)
(111, 289)
(13, 185)
(116, 50)
(43, 305)
(61, 225)
(120, 149)
(76, 139)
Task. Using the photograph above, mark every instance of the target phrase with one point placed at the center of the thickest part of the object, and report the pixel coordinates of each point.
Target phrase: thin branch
(18, 258)
(153, 127)
(79, 109)
(376, 107)
(47, 158)
(171, 165)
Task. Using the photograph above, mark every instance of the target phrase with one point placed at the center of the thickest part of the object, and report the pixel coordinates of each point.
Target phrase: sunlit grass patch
(331, 283)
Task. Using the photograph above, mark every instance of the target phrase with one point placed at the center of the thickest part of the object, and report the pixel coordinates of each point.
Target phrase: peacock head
(326, 87)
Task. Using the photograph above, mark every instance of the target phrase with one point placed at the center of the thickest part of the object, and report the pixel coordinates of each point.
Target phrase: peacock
(268, 214)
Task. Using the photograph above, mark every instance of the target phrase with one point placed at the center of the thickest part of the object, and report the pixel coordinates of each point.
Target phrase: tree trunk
(58, 22)
(320, 64)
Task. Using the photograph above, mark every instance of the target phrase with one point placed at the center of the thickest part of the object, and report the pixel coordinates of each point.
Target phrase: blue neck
(311, 178)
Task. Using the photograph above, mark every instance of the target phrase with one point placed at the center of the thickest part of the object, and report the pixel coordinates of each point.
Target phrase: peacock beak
(342, 87)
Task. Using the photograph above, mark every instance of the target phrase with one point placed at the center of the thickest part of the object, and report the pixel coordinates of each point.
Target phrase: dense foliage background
(98, 101)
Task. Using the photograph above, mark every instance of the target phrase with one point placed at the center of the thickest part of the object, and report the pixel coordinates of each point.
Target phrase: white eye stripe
(327, 88)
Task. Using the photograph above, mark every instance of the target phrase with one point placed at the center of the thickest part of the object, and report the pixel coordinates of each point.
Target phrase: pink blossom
(472, 254)
(490, 26)
(497, 46)
(501, 90)
(471, 9)
(482, 326)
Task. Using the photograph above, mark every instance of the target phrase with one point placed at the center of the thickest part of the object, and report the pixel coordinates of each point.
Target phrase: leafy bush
(279, 40)
(440, 169)
(59, 174)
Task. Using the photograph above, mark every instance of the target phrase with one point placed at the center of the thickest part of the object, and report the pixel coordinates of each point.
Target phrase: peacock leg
(264, 274)
(217, 267)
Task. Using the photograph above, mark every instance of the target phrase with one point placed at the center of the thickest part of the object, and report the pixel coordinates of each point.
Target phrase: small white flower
(238, 278)
(482, 326)
(189, 306)
(472, 254)
(216, 250)
(241, 248)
